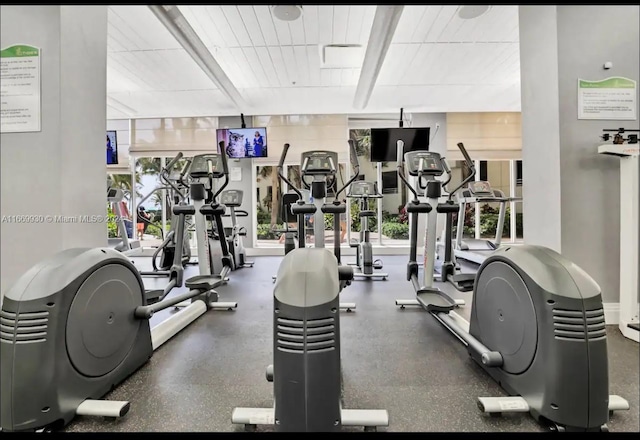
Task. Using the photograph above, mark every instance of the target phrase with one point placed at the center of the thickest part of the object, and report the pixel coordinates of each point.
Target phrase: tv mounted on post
(243, 142)
(384, 142)
(112, 147)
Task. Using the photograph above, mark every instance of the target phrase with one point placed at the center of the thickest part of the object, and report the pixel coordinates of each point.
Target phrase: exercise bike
(363, 191)
(306, 372)
(77, 324)
(537, 323)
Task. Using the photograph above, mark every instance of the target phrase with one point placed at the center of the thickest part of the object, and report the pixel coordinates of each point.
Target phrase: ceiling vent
(341, 56)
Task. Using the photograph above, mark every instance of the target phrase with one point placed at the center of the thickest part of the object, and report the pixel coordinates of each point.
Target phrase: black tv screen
(384, 142)
(389, 182)
(243, 142)
(112, 148)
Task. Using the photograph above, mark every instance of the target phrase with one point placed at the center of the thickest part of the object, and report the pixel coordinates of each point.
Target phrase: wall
(168, 136)
(587, 37)
(490, 135)
(575, 211)
(59, 170)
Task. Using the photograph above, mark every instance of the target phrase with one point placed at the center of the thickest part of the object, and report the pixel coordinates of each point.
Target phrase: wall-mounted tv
(384, 146)
(112, 148)
(243, 142)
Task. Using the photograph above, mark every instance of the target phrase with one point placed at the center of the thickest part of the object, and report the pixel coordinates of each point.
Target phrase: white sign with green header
(20, 101)
(610, 98)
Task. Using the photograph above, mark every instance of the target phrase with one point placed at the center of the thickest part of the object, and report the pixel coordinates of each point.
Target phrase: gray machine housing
(544, 315)
(35, 330)
(306, 322)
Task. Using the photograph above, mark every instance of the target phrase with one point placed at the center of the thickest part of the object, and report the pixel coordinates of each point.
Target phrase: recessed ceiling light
(467, 12)
(286, 12)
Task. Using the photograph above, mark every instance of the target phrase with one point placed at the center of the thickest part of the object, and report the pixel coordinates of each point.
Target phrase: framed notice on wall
(20, 99)
(611, 98)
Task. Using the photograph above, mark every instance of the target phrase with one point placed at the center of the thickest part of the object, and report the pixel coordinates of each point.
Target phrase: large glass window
(269, 218)
(481, 219)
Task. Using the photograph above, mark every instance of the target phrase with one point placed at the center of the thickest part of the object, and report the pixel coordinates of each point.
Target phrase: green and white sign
(610, 98)
(20, 92)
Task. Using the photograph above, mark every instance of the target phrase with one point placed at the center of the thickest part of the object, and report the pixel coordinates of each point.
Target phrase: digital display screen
(384, 147)
(112, 148)
(243, 142)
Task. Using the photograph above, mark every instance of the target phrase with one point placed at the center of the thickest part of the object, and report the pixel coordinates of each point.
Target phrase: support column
(60, 170)
(571, 193)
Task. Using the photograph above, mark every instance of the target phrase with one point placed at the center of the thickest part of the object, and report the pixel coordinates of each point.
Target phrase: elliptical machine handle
(471, 166)
(445, 167)
(400, 167)
(283, 156)
(223, 154)
(465, 154)
(225, 171)
(174, 161)
(354, 163)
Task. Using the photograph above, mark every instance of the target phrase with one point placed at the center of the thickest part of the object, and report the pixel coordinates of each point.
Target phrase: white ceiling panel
(436, 61)
(137, 28)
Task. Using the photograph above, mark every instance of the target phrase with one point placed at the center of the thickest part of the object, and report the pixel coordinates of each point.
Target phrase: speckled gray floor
(402, 361)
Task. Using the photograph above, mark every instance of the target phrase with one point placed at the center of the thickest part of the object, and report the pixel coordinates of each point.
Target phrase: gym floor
(403, 361)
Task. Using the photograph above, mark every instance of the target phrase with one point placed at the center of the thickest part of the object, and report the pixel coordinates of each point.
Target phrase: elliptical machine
(178, 192)
(77, 324)
(306, 373)
(232, 199)
(537, 322)
(363, 191)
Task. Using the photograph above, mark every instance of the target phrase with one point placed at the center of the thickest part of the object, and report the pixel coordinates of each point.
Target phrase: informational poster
(236, 174)
(20, 100)
(611, 98)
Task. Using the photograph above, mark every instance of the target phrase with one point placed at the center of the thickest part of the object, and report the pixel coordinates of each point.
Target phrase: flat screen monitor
(244, 142)
(112, 148)
(389, 182)
(384, 146)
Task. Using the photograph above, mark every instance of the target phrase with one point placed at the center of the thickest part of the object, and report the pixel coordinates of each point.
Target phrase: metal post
(477, 205)
(163, 163)
(379, 202)
(513, 173)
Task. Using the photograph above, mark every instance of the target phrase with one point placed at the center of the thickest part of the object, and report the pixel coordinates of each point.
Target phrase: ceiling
(436, 62)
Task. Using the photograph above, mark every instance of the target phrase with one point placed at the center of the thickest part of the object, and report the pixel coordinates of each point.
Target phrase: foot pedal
(204, 282)
(153, 296)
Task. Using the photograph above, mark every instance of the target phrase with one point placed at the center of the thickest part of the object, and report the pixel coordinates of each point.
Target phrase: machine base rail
(103, 408)
(414, 302)
(350, 417)
(513, 404)
(382, 275)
